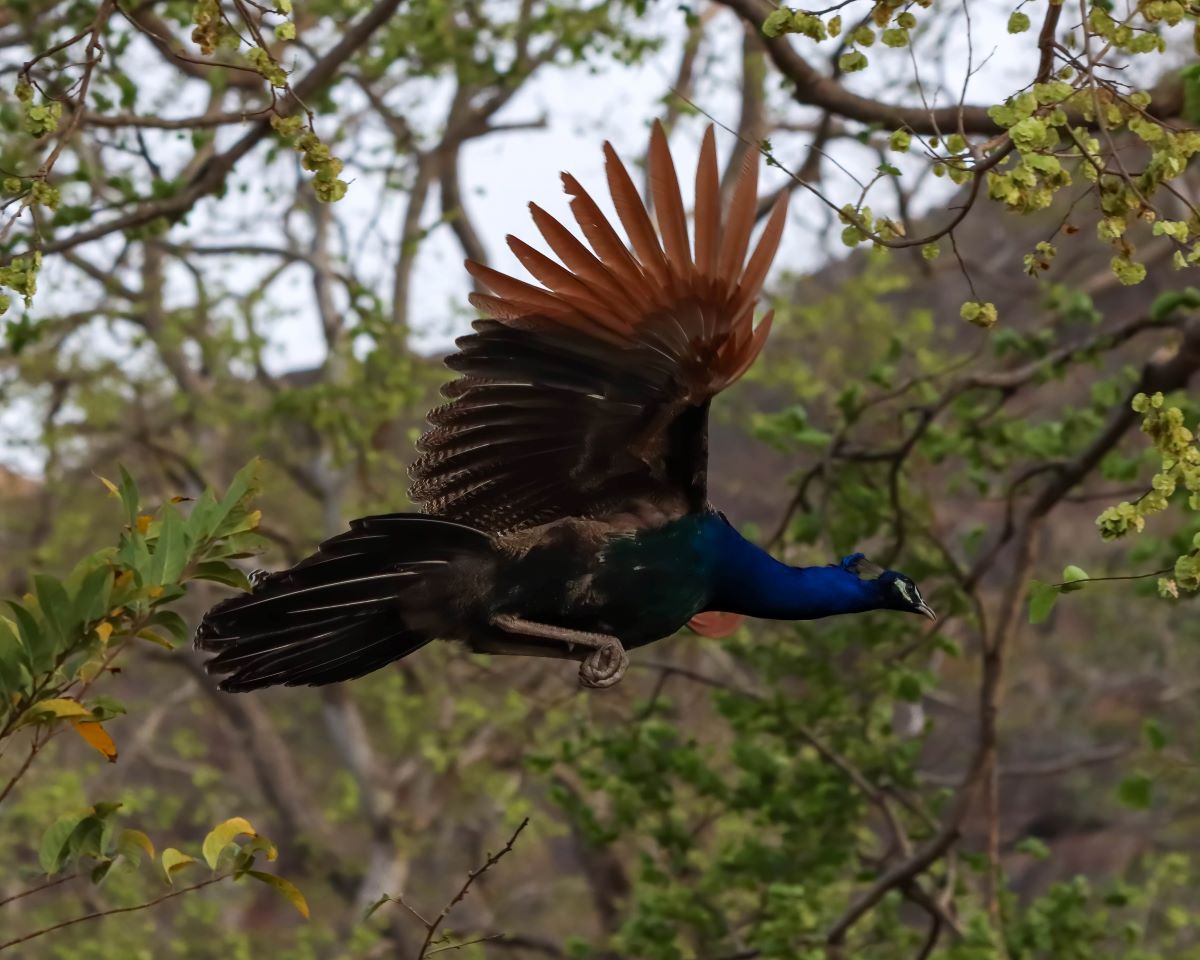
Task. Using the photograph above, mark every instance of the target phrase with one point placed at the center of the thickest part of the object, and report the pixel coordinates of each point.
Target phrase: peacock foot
(604, 666)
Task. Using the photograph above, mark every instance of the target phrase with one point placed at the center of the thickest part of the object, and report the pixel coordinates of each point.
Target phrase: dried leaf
(97, 737)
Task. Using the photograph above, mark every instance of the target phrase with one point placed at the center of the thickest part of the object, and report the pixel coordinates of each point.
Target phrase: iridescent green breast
(639, 586)
(653, 582)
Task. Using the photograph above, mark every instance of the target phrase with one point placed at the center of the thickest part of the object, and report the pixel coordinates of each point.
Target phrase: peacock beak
(926, 609)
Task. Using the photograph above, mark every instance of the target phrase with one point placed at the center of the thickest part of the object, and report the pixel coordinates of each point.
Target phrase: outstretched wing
(590, 394)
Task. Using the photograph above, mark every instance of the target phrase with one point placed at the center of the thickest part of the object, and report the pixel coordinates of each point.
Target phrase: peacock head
(895, 591)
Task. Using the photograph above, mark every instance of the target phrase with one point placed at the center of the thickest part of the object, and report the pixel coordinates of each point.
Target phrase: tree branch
(211, 175)
(813, 88)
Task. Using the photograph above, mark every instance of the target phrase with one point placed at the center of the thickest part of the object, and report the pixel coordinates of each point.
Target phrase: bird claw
(604, 666)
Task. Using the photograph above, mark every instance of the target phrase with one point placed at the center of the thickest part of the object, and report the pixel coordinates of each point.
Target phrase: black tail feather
(360, 602)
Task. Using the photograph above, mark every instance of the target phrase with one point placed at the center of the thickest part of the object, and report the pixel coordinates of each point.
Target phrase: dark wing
(590, 394)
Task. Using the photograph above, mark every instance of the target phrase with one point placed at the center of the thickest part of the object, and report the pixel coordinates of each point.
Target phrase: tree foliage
(65, 639)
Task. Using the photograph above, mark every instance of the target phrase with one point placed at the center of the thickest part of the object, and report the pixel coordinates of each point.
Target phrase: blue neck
(749, 581)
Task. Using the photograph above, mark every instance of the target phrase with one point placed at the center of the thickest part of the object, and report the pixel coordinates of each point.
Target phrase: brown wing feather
(632, 214)
(607, 244)
(742, 209)
(582, 262)
(708, 207)
(668, 208)
(760, 260)
(589, 394)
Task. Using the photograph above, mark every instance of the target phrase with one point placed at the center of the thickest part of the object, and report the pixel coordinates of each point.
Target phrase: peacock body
(564, 482)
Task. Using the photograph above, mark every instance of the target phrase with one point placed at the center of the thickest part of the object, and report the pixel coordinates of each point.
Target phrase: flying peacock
(563, 484)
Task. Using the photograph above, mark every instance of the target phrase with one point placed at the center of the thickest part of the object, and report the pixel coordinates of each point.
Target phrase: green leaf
(218, 571)
(1153, 733)
(203, 518)
(375, 906)
(1167, 303)
(908, 688)
(87, 839)
(1034, 848)
(101, 870)
(91, 600)
(172, 622)
(1018, 23)
(1042, 597)
(852, 61)
(1190, 76)
(1136, 791)
(222, 835)
(37, 644)
(129, 497)
(12, 672)
(170, 549)
(239, 545)
(227, 516)
(53, 850)
(56, 608)
(286, 887)
(776, 22)
(1073, 578)
(981, 314)
(105, 707)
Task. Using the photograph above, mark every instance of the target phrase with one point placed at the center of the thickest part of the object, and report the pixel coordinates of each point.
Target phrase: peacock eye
(902, 589)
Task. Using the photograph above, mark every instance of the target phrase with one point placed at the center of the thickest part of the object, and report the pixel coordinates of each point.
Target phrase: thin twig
(109, 913)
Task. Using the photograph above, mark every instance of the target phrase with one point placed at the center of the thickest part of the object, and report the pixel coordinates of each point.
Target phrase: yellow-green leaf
(154, 638)
(261, 844)
(174, 860)
(1073, 578)
(112, 487)
(286, 887)
(222, 835)
(129, 839)
(57, 708)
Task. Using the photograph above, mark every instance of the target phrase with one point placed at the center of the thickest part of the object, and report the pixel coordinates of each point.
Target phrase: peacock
(562, 485)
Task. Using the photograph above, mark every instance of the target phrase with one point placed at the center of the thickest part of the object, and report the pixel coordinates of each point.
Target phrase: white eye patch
(902, 587)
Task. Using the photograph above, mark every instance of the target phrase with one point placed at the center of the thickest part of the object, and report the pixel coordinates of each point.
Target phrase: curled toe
(604, 667)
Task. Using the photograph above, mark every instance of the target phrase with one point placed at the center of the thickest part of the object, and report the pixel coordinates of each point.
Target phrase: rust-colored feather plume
(668, 206)
(587, 393)
(653, 291)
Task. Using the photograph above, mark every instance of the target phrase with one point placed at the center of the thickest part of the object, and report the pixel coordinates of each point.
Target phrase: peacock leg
(603, 666)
